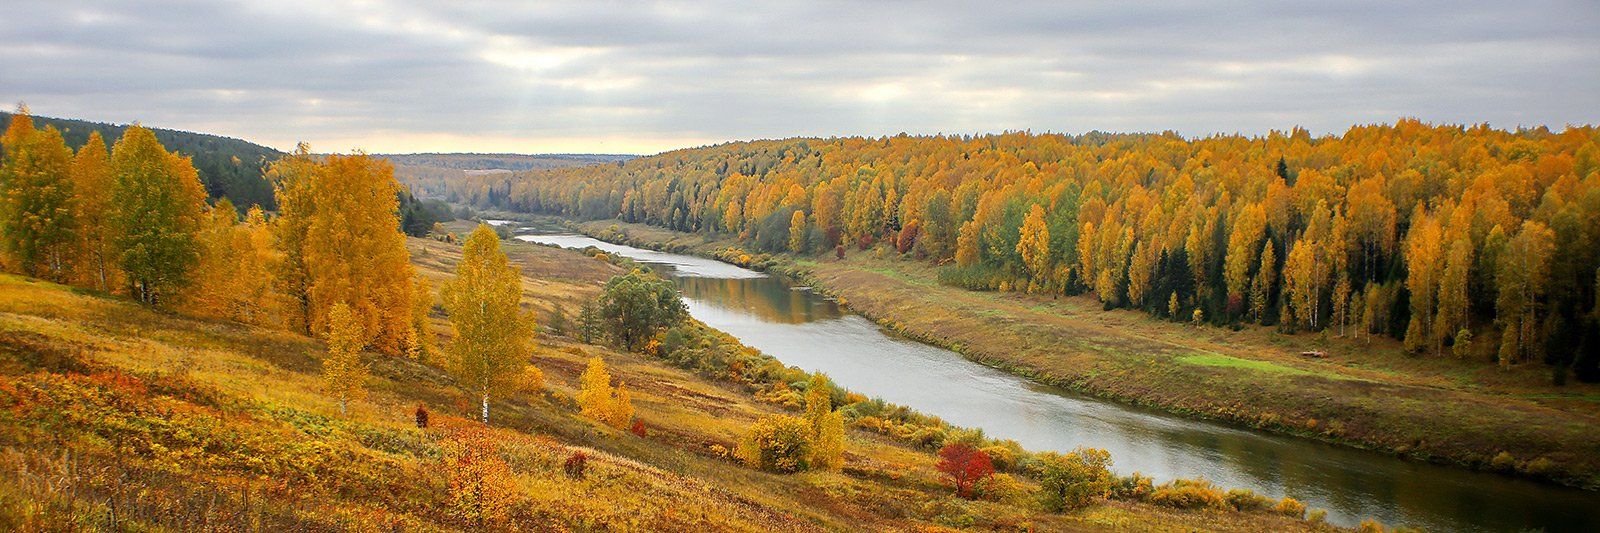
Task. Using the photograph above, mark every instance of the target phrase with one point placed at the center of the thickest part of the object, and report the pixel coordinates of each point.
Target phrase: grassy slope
(108, 408)
(1367, 393)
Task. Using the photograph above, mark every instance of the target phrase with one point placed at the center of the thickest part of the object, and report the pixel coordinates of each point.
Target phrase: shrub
(928, 437)
(969, 437)
(828, 441)
(1004, 459)
(1317, 516)
(480, 485)
(1503, 462)
(1248, 500)
(779, 443)
(999, 488)
(964, 466)
(1370, 526)
(1135, 486)
(638, 428)
(422, 416)
(1541, 466)
(1074, 480)
(1290, 507)
(531, 381)
(576, 465)
(1190, 494)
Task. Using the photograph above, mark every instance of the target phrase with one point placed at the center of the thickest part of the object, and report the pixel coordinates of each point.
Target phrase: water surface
(804, 329)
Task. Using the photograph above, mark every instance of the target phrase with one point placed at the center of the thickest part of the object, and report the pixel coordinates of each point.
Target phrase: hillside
(118, 414)
(428, 175)
(228, 167)
(473, 161)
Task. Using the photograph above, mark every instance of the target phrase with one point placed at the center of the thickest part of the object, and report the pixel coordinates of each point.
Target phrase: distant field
(428, 174)
(502, 161)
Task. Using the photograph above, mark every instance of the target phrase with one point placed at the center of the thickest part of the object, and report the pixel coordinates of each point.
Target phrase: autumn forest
(1465, 242)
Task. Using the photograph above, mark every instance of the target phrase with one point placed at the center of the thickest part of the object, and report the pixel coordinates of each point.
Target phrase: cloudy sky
(408, 75)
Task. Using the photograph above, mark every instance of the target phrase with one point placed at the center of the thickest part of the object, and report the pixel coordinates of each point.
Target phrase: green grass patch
(1228, 361)
(1591, 398)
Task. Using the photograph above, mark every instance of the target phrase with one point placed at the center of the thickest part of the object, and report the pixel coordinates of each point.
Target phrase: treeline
(229, 168)
(134, 220)
(1462, 241)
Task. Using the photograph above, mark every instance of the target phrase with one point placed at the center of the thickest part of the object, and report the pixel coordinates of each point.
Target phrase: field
(113, 415)
(1366, 393)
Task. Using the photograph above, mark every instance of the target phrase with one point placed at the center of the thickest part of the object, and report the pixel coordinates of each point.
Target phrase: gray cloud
(406, 75)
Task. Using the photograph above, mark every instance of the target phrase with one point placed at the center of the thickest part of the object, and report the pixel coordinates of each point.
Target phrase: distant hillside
(228, 167)
(503, 161)
(428, 174)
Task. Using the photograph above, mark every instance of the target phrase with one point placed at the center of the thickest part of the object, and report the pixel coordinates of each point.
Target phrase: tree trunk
(486, 409)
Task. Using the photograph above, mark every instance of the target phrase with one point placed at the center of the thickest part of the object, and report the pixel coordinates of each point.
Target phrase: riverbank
(1365, 394)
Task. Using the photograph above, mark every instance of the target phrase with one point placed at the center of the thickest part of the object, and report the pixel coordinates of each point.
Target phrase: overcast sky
(406, 76)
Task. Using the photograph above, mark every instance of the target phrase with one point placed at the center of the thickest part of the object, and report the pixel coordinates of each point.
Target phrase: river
(804, 329)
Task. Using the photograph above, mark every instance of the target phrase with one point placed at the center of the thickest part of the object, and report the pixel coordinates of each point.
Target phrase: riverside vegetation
(166, 365)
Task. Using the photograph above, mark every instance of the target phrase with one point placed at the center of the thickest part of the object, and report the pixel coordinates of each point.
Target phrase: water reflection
(802, 329)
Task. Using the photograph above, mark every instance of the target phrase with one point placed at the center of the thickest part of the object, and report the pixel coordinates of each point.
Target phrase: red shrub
(908, 236)
(576, 465)
(422, 416)
(638, 427)
(965, 466)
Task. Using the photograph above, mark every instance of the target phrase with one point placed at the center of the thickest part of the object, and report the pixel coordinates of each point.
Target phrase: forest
(1463, 241)
(228, 167)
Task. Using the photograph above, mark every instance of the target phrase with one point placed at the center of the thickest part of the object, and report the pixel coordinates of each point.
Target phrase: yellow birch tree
(494, 336)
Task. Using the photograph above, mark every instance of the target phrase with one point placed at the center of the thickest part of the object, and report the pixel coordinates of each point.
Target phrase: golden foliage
(352, 250)
(493, 334)
(599, 400)
(1123, 214)
(779, 443)
(233, 278)
(91, 189)
(37, 226)
(481, 489)
(342, 369)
